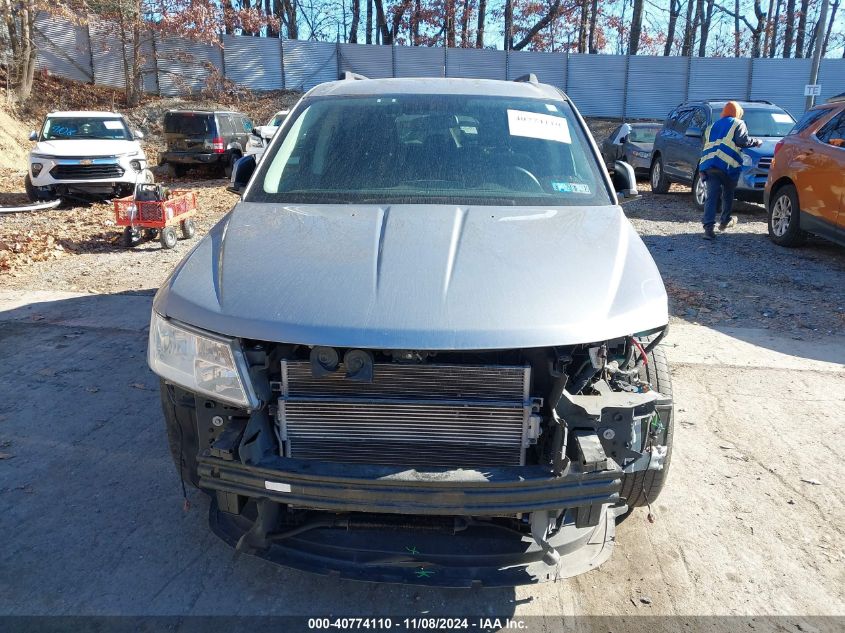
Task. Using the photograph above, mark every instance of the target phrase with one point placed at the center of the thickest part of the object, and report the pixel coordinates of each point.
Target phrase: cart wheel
(131, 236)
(168, 237)
(188, 228)
(151, 234)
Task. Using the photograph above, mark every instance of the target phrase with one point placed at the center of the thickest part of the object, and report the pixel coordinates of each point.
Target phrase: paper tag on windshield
(113, 125)
(541, 126)
(781, 118)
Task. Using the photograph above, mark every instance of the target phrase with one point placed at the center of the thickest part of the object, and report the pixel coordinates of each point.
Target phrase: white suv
(263, 134)
(92, 153)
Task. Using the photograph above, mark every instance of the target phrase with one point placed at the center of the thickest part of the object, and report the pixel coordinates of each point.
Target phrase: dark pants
(719, 186)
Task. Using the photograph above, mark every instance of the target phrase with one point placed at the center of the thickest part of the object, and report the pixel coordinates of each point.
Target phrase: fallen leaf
(814, 482)
(139, 385)
(6, 456)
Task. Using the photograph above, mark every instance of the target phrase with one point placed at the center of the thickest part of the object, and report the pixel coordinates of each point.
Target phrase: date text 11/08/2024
(417, 624)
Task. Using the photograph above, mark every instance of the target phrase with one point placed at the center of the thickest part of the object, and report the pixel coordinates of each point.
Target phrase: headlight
(36, 168)
(254, 141)
(747, 161)
(135, 164)
(203, 363)
(640, 154)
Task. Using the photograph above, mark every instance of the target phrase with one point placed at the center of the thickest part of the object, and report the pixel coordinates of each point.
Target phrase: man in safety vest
(721, 164)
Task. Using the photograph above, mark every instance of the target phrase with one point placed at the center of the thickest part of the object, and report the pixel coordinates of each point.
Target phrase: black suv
(201, 137)
(677, 147)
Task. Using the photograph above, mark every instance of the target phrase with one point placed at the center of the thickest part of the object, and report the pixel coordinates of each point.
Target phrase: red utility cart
(157, 217)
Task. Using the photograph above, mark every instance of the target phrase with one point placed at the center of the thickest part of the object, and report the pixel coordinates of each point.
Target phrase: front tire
(642, 487)
(659, 182)
(229, 165)
(188, 228)
(699, 191)
(785, 218)
(168, 237)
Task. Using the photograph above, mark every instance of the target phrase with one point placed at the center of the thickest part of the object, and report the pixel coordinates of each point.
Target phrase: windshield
(61, 128)
(643, 134)
(189, 124)
(767, 123)
(432, 149)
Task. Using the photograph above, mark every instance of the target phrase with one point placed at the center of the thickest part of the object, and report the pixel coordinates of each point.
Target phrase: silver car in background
(423, 347)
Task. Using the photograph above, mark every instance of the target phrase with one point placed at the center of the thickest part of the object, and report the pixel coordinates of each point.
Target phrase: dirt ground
(752, 522)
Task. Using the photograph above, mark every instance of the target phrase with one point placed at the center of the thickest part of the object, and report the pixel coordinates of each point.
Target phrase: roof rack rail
(350, 76)
(720, 99)
(530, 78)
(837, 98)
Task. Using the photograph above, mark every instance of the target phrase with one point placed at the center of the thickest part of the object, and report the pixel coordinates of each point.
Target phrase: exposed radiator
(456, 416)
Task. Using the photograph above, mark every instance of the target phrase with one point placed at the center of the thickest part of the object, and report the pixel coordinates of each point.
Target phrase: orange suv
(805, 191)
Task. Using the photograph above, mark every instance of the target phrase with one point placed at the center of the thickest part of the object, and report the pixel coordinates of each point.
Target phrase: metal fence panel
(308, 64)
(655, 86)
(596, 83)
(476, 63)
(832, 78)
(63, 49)
(253, 62)
(107, 55)
(148, 63)
(781, 81)
(550, 68)
(371, 60)
(719, 78)
(184, 66)
(418, 61)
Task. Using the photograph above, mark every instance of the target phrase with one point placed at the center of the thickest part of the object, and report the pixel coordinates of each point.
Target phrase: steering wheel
(533, 178)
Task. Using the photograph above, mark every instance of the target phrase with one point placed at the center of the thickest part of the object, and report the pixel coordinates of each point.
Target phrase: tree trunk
(369, 36)
(582, 27)
(674, 12)
(508, 25)
(833, 7)
(789, 31)
(773, 45)
(636, 28)
(802, 28)
(449, 22)
(706, 20)
(381, 24)
(768, 29)
(594, 15)
(356, 18)
(465, 15)
(689, 36)
(736, 28)
(479, 33)
(550, 15)
(696, 22)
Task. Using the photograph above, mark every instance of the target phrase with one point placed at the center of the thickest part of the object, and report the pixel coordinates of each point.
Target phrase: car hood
(767, 149)
(419, 277)
(86, 148)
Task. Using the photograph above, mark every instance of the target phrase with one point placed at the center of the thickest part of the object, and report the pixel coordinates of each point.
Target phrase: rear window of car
(189, 124)
(434, 149)
(644, 134)
(810, 117)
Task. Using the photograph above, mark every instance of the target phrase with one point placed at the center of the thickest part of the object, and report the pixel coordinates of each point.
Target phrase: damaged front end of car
(449, 468)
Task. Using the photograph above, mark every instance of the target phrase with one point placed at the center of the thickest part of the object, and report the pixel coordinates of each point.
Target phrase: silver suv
(422, 348)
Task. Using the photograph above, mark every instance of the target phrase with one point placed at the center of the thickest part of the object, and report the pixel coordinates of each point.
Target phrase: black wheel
(659, 182)
(168, 237)
(785, 218)
(181, 422)
(699, 191)
(229, 165)
(150, 234)
(642, 487)
(188, 228)
(179, 170)
(131, 236)
(30, 189)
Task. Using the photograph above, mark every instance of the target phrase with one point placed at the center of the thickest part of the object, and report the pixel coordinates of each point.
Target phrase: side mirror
(33, 136)
(255, 132)
(694, 132)
(625, 181)
(241, 173)
(622, 140)
(138, 134)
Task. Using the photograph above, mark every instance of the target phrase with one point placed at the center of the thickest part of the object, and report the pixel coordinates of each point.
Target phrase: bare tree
(594, 15)
(551, 13)
(789, 31)
(479, 32)
(449, 22)
(706, 20)
(356, 17)
(756, 29)
(369, 27)
(582, 26)
(689, 31)
(833, 8)
(636, 28)
(674, 13)
(508, 25)
(773, 47)
(802, 28)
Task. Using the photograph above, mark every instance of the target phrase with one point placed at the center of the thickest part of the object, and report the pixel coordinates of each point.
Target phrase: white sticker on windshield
(571, 187)
(551, 107)
(113, 125)
(779, 117)
(541, 126)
